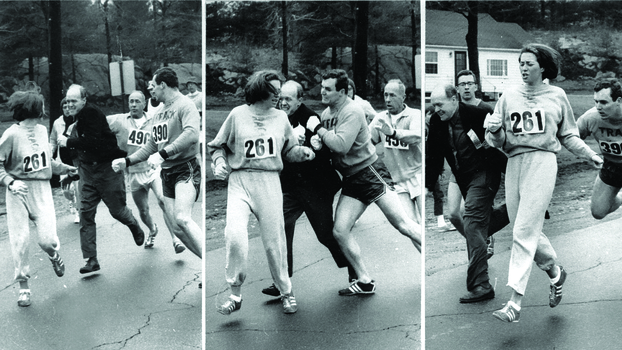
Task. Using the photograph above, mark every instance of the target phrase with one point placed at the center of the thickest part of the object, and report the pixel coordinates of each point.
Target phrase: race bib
(528, 122)
(611, 148)
(390, 142)
(160, 132)
(137, 137)
(35, 162)
(259, 148)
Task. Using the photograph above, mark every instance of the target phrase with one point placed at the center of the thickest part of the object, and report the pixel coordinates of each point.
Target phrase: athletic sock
(513, 304)
(559, 274)
(236, 297)
(441, 221)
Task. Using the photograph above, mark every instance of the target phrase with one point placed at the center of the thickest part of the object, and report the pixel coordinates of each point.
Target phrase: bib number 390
(35, 162)
(259, 148)
(612, 148)
(529, 122)
(160, 132)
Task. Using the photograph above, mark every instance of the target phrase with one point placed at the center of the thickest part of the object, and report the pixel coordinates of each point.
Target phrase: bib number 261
(259, 148)
(528, 122)
(35, 162)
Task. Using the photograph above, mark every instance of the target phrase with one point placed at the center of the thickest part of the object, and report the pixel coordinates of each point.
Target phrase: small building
(499, 47)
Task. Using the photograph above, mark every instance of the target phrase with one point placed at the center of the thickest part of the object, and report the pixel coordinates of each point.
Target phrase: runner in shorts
(604, 122)
(399, 128)
(132, 131)
(343, 129)
(174, 145)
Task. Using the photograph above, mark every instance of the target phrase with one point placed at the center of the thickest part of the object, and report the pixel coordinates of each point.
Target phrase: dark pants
(99, 182)
(438, 199)
(317, 203)
(479, 192)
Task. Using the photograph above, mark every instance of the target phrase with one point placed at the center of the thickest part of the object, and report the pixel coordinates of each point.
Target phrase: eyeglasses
(469, 84)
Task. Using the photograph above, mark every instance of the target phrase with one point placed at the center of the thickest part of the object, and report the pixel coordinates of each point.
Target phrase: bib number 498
(259, 148)
(35, 162)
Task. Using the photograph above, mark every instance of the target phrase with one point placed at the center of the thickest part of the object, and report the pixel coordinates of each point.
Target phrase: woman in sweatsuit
(530, 123)
(252, 143)
(26, 167)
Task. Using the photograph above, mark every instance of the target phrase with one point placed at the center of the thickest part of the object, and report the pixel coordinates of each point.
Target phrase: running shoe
(179, 248)
(151, 238)
(555, 294)
(24, 298)
(507, 314)
(490, 250)
(358, 287)
(272, 291)
(58, 265)
(289, 303)
(230, 306)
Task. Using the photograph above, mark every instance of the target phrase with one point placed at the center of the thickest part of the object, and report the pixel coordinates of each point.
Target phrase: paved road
(587, 318)
(390, 319)
(140, 299)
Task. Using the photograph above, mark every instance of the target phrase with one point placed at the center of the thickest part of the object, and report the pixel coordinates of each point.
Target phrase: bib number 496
(259, 148)
(35, 162)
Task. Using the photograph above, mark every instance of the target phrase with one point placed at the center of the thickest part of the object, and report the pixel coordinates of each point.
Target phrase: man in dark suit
(456, 133)
(96, 147)
(308, 187)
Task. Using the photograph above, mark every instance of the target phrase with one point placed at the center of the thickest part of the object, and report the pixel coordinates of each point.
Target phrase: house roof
(448, 28)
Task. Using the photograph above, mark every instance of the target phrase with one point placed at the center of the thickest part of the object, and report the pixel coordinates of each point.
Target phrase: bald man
(456, 133)
(308, 187)
(96, 147)
(133, 131)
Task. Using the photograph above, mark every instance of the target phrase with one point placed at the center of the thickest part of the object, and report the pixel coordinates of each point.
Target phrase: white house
(446, 51)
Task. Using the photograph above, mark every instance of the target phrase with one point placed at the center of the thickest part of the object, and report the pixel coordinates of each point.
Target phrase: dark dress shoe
(138, 233)
(478, 294)
(91, 266)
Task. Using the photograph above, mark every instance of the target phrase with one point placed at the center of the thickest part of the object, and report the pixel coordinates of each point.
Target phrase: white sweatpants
(259, 193)
(529, 183)
(37, 205)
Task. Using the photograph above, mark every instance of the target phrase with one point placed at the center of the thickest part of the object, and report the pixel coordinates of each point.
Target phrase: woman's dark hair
(548, 58)
(258, 87)
(26, 105)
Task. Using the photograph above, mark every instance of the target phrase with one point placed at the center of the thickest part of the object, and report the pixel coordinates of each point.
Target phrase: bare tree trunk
(333, 57)
(55, 61)
(285, 68)
(31, 68)
(107, 28)
(359, 58)
(377, 70)
(471, 38)
(414, 20)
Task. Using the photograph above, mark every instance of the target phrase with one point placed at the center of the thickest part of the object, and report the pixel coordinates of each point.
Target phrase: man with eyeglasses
(456, 134)
(467, 88)
(96, 146)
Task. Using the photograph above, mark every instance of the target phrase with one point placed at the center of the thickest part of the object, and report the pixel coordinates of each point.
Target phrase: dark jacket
(318, 173)
(439, 148)
(92, 137)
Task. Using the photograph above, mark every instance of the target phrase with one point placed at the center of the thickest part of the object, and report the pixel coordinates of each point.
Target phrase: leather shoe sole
(477, 297)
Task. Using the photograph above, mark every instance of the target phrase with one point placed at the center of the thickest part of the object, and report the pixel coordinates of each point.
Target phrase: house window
(497, 68)
(431, 62)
